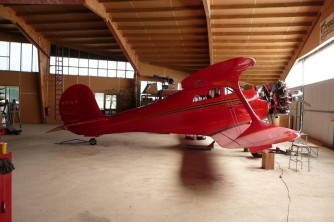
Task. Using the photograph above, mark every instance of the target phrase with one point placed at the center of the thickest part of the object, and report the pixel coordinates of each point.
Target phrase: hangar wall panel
(319, 120)
(29, 96)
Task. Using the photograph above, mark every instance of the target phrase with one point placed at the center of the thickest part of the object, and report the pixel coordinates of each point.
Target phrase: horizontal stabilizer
(67, 126)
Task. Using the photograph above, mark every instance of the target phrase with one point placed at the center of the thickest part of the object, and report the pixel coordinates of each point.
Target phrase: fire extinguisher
(47, 111)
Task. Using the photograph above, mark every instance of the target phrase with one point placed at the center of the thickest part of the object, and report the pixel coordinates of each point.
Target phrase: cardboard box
(283, 121)
(268, 161)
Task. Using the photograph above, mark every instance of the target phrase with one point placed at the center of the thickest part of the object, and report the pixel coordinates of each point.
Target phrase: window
(26, 57)
(15, 52)
(111, 101)
(9, 93)
(91, 67)
(4, 55)
(317, 67)
(16, 56)
(100, 100)
(212, 93)
(228, 90)
(106, 102)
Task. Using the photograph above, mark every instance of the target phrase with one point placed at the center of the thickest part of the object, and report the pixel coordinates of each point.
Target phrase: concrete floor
(151, 177)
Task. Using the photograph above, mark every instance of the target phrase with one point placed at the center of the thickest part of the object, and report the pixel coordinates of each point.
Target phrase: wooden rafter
(62, 21)
(161, 27)
(266, 15)
(262, 25)
(154, 9)
(255, 47)
(268, 5)
(257, 40)
(159, 19)
(73, 29)
(259, 33)
(48, 13)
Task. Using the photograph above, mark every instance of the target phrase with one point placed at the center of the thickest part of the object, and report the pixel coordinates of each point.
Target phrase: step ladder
(59, 79)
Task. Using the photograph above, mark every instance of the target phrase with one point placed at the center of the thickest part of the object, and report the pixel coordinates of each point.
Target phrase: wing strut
(258, 134)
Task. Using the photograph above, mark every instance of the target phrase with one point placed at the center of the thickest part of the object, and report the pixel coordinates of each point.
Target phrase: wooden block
(268, 161)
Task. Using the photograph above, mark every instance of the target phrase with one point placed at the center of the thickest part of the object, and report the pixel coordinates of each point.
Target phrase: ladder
(59, 79)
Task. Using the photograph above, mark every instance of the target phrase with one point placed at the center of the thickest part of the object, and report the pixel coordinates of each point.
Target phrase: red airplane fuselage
(180, 114)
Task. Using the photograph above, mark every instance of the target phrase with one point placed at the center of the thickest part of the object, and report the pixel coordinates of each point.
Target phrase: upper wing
(222, 73)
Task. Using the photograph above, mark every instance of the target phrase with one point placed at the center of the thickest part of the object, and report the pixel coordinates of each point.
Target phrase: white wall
(319, 125)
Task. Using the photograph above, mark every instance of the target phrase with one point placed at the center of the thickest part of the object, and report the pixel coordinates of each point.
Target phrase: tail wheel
(92, 141)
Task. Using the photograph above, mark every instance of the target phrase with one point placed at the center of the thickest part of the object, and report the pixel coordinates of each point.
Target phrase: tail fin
(78, 104)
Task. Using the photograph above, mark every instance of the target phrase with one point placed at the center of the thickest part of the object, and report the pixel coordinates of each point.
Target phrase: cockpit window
(228, 91)
(212, 93)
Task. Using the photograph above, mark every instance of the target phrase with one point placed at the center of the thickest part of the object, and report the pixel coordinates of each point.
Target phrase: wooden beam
(107, 1)
(268, 5)
(77, 36)
(182, 63)
(167, 37)
(221, 52)
(163, 34)
(159, 19)
(262, 25)
(161, 27)
(48, 13)
(172, 47)
(73, 29)
(268, 68)
(256, 47)
(41, 2)
(155, 9)
(172, 60)
(266, 15)
(257, 57)
(254, 76)
(109, 40)
(166, 42)
(173, 55)
(63, 21)
(161, 54)
(100, 10)
(271, 63)
(258, 33)
(244, 41)
(248, 73)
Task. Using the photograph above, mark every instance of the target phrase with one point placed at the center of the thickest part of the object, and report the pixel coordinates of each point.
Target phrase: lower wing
(248, 135)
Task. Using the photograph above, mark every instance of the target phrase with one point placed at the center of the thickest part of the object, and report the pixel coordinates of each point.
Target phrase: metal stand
(301, 151)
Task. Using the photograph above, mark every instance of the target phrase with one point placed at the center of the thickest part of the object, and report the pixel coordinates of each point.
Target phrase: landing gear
(92, 141)
(257, 155)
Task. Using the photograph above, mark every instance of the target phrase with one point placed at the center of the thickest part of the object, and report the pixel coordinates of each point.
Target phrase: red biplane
(211, 103)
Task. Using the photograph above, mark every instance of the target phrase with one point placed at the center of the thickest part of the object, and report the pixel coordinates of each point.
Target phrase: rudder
(78, 104)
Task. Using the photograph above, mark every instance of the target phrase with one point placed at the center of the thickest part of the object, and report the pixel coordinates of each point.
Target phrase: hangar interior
(128, 50)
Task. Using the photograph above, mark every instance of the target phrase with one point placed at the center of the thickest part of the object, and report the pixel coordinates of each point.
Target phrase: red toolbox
(6, 192)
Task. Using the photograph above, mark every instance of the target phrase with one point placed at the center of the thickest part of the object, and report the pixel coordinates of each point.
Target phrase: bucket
(3, 148)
